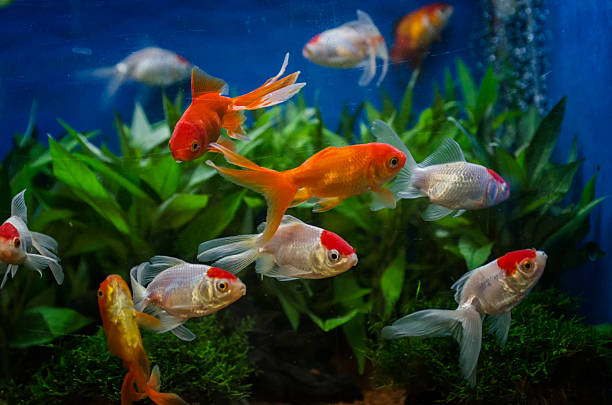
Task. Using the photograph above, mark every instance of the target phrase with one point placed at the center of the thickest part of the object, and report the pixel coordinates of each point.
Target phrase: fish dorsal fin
(18, 206)
(459, 284)
(364, 18)
(202, 83)
(287, 219)
(448, 152)
(385, 134)
(158, 264)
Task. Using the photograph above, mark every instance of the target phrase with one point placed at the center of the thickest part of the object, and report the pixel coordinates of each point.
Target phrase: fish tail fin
(276, 187)
(161, 398)
(232, 254)
(402, 186)
(464, 324)
(128, 392)
(382, 53)
(378, 47)
(272, 92)
(406, 52)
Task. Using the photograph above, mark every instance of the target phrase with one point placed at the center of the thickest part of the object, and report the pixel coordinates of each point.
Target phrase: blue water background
(47, 45)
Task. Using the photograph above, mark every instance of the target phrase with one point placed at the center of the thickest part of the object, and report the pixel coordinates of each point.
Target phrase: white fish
(174, 291)
(18, 245)
(354, 44)
(297, 250)
(153, 66)
(493, 290)
(452, 184)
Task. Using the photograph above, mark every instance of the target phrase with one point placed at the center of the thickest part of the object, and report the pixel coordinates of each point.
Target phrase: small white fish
(177, 291)
(153, 66)
(354, 44)
(297, 250)
(493, 290)
(18, 245)
(452, 184)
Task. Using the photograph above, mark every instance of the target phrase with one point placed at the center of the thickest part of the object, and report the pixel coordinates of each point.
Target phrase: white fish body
(452, 184)
(175, 291)
(153, 66)
(297, 250)
(354, 44)
(20, 246)
(492, 290)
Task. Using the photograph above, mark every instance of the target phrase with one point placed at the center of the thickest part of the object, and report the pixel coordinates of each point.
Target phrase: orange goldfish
(120, 321)
(209, 111)
(328, 177)
(415, 32)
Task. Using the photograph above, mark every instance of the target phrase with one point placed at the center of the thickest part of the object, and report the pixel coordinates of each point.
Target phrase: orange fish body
(120, 321)
(201, 124)
(415, 32)
(328, 176)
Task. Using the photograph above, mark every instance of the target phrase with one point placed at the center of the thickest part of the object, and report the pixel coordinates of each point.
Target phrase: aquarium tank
(288, 202)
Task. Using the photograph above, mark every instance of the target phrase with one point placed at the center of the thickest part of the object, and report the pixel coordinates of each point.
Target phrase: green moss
(550, 357)
(212, 369)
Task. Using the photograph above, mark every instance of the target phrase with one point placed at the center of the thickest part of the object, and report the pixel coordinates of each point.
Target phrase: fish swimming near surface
(120, 321)
(20, 246)
(297, 250)
(201, 124)
(153, 66)
(415, 32)
(174, 291)
(354, 44)
(452, 184)
(491, 290)
(326, 178)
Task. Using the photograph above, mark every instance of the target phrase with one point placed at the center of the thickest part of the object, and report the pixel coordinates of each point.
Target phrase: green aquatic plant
(550, 357)
(212, 369)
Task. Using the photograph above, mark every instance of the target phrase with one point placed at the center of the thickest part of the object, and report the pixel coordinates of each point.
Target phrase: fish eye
(393, 162)
(100, 294)
(526, 265)
(195, 146)
(16, 242)
(222, 286)
(333, 255)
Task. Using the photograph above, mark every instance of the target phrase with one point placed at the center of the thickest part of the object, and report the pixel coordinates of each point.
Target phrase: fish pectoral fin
(301, 196)
(383, 198)
(202, 83)
(232, 122)
(284, 272)
(435, 212)
(326, 204)
(369, 69)
(499, 325)
(38, 262)
(183, 333)
(148, 321)
(222, 142)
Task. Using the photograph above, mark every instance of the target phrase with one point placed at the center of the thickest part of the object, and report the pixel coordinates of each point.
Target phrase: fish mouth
(242, 290)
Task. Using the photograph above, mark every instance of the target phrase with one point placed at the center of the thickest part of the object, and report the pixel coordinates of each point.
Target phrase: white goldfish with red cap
(297, 250)
(353, 44)
(452, 184)
(20, 246)
(174, 291)
(491, 290)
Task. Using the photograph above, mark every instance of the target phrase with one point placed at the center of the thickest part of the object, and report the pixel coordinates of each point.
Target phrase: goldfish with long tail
(491, 290)
(452, 184)
(20, 246)
(297, 250)
(201, 124)
(354, 44)
(327, 177)
(415, 32)
(120, 321)
(174, 291)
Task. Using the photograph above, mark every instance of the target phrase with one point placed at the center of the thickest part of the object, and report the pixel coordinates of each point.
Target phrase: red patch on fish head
(8, 231)
(182, 60)
(332, 241)
(496, 176)
(188, 141)
(510, 261)
(215, 272)
(314, 39)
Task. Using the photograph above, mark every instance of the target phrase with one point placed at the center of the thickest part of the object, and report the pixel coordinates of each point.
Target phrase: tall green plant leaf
(392, 282)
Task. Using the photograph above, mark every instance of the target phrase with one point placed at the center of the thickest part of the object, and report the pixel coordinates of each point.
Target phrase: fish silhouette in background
(354, 44)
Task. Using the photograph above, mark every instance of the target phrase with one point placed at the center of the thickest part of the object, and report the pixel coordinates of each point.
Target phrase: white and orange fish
(153, 66)
(354, 44)
(121, 321)
(492, 290)
(452, 184)
(20, 246)
(415, 32)
(177, 291)
(297, 250)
